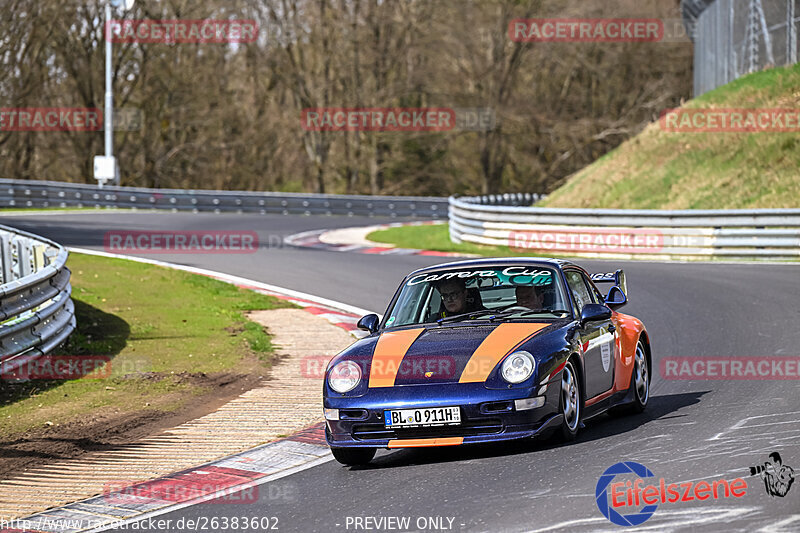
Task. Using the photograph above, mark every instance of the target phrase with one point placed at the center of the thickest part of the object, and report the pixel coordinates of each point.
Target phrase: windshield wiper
(504, 314)
(539, 311)
(464, 316)
(498, 314)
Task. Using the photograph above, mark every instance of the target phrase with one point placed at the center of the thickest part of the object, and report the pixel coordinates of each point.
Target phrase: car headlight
(518, 367)
(344, 376)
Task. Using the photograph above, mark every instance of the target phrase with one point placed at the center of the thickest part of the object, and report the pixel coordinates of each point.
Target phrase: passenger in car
(528, 296)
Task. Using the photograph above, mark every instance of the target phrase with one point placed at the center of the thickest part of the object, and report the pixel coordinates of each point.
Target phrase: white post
(109, 97)
(791, 34)
(105, 166)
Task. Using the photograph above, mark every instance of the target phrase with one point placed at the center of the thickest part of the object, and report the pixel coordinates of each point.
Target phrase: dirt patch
(103, 430)
(234, 330)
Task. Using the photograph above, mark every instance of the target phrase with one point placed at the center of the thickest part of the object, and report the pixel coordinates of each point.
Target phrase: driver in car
(528, 296)
(455, 298)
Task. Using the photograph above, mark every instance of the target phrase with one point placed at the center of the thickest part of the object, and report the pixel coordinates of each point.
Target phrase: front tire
(571, 403)
(353, 456)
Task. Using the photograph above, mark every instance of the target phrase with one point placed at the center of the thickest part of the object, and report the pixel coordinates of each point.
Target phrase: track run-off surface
(691, 431)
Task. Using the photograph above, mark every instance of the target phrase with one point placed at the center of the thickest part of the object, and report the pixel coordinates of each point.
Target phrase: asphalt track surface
(691, 430)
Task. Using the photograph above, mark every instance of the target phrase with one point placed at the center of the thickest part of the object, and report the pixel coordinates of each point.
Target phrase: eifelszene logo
(630, 495)
(778, 477)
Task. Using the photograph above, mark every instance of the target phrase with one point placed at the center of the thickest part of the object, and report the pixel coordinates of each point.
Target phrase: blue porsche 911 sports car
(486, 350)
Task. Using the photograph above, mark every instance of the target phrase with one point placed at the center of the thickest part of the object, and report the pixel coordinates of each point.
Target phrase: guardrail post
(23, 257)
(39, 259)
(5, 259)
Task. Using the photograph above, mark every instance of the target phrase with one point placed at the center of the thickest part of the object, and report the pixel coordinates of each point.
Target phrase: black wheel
(353, 456)
(571, 403)
(640, 385)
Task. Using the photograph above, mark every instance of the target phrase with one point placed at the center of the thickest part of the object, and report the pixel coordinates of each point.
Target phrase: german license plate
(430, 416)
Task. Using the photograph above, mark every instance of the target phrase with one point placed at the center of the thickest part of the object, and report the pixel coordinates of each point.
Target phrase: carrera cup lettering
(538, 277)
(426, 278)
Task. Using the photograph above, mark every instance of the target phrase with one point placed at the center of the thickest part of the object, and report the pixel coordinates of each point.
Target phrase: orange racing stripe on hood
(389, 352)
(494, 347)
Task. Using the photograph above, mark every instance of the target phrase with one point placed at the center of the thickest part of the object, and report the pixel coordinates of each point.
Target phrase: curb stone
(354, 240)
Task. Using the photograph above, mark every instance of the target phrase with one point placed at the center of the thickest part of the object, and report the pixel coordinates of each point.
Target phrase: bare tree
(228, 115)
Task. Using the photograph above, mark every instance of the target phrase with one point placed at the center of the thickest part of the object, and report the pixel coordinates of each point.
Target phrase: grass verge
(167, 332)
(659, 169)
(436, 237)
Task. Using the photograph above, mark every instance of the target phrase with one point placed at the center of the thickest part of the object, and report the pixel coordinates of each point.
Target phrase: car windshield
(488, 293)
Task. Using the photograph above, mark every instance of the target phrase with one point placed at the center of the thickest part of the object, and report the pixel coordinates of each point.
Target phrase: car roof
(496, 261)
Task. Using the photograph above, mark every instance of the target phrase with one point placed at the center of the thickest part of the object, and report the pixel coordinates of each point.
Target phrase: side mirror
(594, 313)
(369, 323)
(620, 281)
(616, 298)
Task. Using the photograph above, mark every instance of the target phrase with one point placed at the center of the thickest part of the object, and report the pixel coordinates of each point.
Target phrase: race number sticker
(605, 354)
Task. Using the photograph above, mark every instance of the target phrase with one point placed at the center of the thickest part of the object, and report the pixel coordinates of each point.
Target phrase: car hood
(441, 354)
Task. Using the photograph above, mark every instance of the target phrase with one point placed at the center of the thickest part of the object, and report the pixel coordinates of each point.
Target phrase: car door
(597, 338)
(607, 339)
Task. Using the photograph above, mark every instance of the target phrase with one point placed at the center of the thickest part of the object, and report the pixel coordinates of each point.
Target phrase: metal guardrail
(771, 234)
(36, 312)
(25, 193)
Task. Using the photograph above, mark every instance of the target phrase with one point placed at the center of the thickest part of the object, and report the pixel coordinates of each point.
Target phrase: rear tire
(571, 403)
(640, 385)
(353, 456)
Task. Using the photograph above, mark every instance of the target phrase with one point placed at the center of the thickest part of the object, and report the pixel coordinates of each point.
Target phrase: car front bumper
(486, 416)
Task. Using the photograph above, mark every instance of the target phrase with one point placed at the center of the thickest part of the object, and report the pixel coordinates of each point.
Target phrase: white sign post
(106, 168)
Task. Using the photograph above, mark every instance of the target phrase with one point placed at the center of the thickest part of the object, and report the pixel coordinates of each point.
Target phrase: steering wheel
(516, 308)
